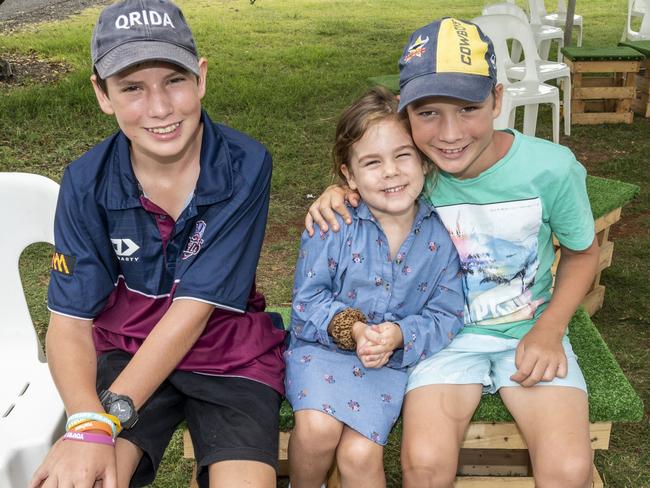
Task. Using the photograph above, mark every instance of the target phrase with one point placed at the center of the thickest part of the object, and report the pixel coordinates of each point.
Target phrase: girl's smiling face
(386, 169)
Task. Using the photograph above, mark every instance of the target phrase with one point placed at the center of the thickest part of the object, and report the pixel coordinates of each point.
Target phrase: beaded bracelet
(81, 417)
(86, 437)
(340, 328)
(92, 425)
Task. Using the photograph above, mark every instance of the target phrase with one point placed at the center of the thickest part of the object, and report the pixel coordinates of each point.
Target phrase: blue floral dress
(420, 290)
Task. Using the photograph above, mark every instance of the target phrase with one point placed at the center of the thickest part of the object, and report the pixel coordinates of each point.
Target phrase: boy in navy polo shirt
(155, 318)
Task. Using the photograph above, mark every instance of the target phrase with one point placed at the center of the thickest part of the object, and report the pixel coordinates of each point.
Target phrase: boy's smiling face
(158, 107)
(458, 136)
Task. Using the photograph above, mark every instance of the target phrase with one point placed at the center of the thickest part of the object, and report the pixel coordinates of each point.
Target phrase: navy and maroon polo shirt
(120, 260)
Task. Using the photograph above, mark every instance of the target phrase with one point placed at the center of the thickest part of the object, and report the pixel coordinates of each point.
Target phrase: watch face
(121, 409)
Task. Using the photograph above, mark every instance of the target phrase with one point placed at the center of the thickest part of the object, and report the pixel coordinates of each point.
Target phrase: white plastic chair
(546, 70)
(543, 34)
(31, 411)
(637, 8)
(529, 91)
(556, 19)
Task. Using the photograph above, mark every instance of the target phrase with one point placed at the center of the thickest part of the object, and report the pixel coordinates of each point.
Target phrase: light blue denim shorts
(484, 359)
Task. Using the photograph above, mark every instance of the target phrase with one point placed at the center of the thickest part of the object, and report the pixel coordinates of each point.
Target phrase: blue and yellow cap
(447, 58)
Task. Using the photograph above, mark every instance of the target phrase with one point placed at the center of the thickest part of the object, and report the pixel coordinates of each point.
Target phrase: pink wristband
(87, 437)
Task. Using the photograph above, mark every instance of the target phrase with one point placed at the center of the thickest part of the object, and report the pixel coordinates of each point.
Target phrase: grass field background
(282, 71)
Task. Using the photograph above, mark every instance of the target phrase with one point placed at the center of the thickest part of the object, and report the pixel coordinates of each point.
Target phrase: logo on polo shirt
(144, 17)
(63, 264)
(125, 248)
(195, 241)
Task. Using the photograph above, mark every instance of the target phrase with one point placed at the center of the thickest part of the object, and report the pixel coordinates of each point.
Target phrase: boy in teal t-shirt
(501, 196)
(502, 223)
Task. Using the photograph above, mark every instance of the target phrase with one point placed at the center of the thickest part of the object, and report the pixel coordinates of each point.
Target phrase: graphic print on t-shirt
(497, 245)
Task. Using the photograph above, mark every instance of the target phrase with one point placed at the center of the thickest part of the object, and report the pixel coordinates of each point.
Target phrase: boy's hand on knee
(539, 357)
(76, 464)
(323, 211)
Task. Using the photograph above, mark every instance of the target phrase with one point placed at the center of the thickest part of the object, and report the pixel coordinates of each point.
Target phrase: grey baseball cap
(134, 31)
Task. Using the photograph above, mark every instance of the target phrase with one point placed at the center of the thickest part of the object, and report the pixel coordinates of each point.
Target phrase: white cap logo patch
(145, 17)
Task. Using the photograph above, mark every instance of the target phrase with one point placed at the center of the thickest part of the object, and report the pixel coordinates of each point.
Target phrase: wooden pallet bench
(607, 198)
(641, 104)
(494, 452)
(603, 83)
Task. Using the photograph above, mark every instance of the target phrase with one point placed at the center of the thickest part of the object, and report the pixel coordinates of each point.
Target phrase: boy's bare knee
(575, 471)
(428, 467)
(428, 476)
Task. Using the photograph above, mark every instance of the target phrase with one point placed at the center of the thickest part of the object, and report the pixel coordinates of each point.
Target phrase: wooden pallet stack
(595, 297)
(641, 104)
(493, 455)
(603, 84)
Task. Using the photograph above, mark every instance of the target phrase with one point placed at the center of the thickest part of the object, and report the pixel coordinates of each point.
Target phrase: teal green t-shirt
(502, 224)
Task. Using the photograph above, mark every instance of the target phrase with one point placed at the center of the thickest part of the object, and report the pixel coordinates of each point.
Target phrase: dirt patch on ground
(29, 69)
(631, 225)
(278, 258)
(277, 232)
(591, 157)
(35, 11)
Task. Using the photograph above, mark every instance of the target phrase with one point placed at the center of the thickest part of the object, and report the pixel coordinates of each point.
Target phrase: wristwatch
(121, 406)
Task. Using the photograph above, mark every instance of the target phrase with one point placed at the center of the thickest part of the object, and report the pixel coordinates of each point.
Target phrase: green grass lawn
(282, 71)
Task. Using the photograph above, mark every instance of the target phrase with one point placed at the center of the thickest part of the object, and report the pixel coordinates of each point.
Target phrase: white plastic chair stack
(543, 34)
(637, 8)
(31, 411)
(546, 34)
(556, 19)
(529, 91)
(546, 70)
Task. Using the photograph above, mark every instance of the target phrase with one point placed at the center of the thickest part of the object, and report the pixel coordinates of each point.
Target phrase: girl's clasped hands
(376, 343)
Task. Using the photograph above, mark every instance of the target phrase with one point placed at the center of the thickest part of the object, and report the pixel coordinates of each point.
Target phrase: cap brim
(471, 88)
(132, 53)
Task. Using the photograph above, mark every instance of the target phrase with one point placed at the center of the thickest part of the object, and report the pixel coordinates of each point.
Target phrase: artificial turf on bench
(620, 53)
(606, 195)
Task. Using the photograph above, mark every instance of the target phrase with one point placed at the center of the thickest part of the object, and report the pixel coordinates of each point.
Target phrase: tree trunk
(5, 67)
(568, 28)
(5, 70)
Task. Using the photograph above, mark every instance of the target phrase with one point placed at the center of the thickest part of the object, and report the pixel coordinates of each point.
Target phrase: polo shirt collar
(215, 181)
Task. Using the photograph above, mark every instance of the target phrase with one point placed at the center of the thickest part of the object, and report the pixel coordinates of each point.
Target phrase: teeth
(394, 189)
(451, 151)
(165, 130)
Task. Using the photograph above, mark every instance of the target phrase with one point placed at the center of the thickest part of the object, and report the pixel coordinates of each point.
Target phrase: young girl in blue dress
(369, 302)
